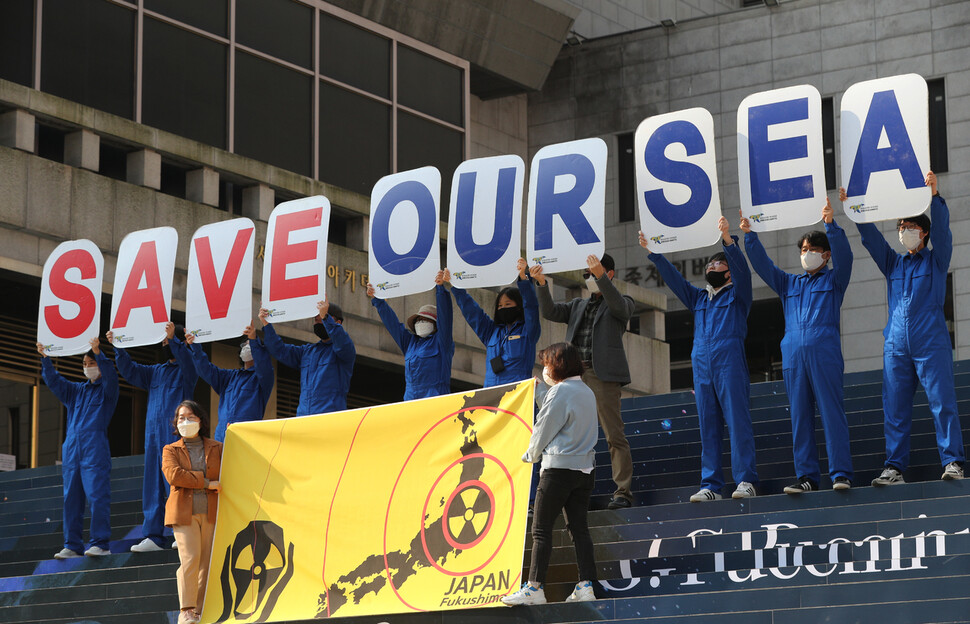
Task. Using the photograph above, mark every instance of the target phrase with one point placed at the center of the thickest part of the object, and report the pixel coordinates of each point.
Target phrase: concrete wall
(607, 87)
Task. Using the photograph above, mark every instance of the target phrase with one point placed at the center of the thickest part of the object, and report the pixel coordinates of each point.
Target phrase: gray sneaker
(97, 551)
(66, 553)
(744, 490)
(952, 472)
(889, 476)
(146, 545)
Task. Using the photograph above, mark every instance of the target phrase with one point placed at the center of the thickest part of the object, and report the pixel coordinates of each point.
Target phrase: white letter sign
(70, 298)
(143, 286)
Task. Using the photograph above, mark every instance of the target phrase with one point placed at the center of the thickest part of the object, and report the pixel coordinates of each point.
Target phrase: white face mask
(910, 238)
(92, 372)
(812, 260)
(592, 285)
(423, 328)
(547, 378)
(246, 353)
(188, 429)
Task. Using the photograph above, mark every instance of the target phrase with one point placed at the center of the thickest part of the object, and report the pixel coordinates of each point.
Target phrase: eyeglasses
(716, 263)
(909, 226)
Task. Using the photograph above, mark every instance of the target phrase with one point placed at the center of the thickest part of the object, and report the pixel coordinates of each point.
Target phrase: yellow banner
(417, 506)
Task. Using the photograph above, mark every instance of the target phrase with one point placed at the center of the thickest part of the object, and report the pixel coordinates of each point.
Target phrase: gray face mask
(592, 285)
(812, 260)
(910, 239)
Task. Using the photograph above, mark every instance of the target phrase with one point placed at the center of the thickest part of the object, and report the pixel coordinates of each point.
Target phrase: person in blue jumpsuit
(917, 343)
(720, 365)
(325, 366)
(243, 392)
(811, 350)
(511, 334)
(85, 455)
(425, 340)
(168, 384)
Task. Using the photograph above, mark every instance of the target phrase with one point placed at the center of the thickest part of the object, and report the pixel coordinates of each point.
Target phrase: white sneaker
(583, 592)
(96, 551)
(952, 472)
(146, 545)
(704, 495)
(175, 545)
(528, 595)
(66, 553)
(889, 476)
(744, 490)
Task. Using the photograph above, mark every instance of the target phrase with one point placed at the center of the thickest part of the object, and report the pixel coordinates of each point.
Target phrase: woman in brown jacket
(191, 466)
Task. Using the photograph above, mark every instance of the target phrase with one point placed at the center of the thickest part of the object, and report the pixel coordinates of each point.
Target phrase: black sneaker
(841, 483)
(804, 484)
(619, 502)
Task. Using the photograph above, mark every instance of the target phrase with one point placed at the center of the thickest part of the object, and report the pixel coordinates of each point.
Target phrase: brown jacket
(177, 468)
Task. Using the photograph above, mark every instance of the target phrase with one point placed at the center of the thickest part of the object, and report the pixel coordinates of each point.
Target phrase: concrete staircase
(898, 554)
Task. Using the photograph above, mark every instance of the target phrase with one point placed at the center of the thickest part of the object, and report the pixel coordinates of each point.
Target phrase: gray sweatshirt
(565, 430)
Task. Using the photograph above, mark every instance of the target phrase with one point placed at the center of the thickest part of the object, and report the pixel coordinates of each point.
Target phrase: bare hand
(595, 266)
(842, 194)
(724, 227)
(828, 215)
(439, 277)
(110, 336)
(189, 337)
(536, 272)
(931, 182)
(522, 266)
(323, 307)
(250, 331)
(95, 345)
(642, 240)
(446, 275)
(370, 290)
(745, 224)
(40, 349)
(215, 485)
(169, 331)
(263, 315)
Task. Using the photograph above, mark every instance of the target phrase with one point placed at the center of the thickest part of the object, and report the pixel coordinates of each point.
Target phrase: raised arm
(343, 345)
(184, 361)
(555, 312)
(446, 315)
(137, 374)
(481, 323)
(841, 254)
(209, 372)
(776, 279)
(394, 327)
(290, 355)
(63, 389)
(620, 307)
(263, 367)
(109, 377)
(530, 308)
(940, 234)
(740, 273)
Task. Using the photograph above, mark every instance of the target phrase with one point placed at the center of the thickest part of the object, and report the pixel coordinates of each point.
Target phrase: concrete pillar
(258, 202)
(202, 186)
(652, 324)
(82, 149)
(145, 169)
(358, 230)
(17, 130)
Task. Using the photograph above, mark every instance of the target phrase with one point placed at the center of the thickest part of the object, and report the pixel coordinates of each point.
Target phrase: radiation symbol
(469, 514)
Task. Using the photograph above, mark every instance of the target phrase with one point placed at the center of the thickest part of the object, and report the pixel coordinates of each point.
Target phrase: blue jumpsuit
(427, 361)
(917, 344)
(515, 343)
(85, 455)
(243, 392)
(720, 367)
(325, 367)
(168, 384)
(811, 351)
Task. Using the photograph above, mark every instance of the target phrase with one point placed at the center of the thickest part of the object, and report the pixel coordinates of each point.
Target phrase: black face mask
(716, 278)
(320, 331)
(167, 353)
(504, 316)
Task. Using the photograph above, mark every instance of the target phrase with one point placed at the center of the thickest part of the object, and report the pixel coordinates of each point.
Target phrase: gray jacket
(565, 430)
(609, 358)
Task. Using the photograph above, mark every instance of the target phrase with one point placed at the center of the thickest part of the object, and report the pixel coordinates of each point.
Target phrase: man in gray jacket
(595, 326)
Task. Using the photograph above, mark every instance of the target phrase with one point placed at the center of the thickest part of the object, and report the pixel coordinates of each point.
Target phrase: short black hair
(89, 354)
(562, 359)
(719, 256)
(921, 220)
(608, 263)
(335, 311)
(199, 411)
(513, 294)
(815, 238)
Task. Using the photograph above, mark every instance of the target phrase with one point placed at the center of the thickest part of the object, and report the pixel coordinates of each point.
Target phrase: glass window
(184, 83)
(281, 28)
(273, 114)
(626, 179)
(355, 56)
(17, 41)
(355, 131)
(939, 162)
(421, 142)
(429, 85)
(209, 15)
(88, 54)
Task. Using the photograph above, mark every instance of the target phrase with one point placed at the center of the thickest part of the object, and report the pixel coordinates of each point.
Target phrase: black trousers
(568, 491)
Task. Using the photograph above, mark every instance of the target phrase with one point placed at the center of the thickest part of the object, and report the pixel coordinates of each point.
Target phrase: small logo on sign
(860, 208)
(762, 217)
(387, 285)
(543, 259)
(463, 275)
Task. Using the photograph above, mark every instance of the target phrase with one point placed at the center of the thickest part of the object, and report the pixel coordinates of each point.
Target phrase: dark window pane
(88, 54)
(17, 41)
(273, 119)
(114, 161)
(421, 142)
(355, 131)
(50, 142)
(828, 142)
(209, 15)
(939, 162)
(184, 83)
(281, 28)
(429, 85)
(626, 179)
(355, 56)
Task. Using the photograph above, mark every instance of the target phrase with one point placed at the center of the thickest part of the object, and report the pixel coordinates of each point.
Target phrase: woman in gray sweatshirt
(563, 437)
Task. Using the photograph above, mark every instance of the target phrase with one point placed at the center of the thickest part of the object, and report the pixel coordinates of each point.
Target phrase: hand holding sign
(827, 213)
(745, 225)
(536, 272)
